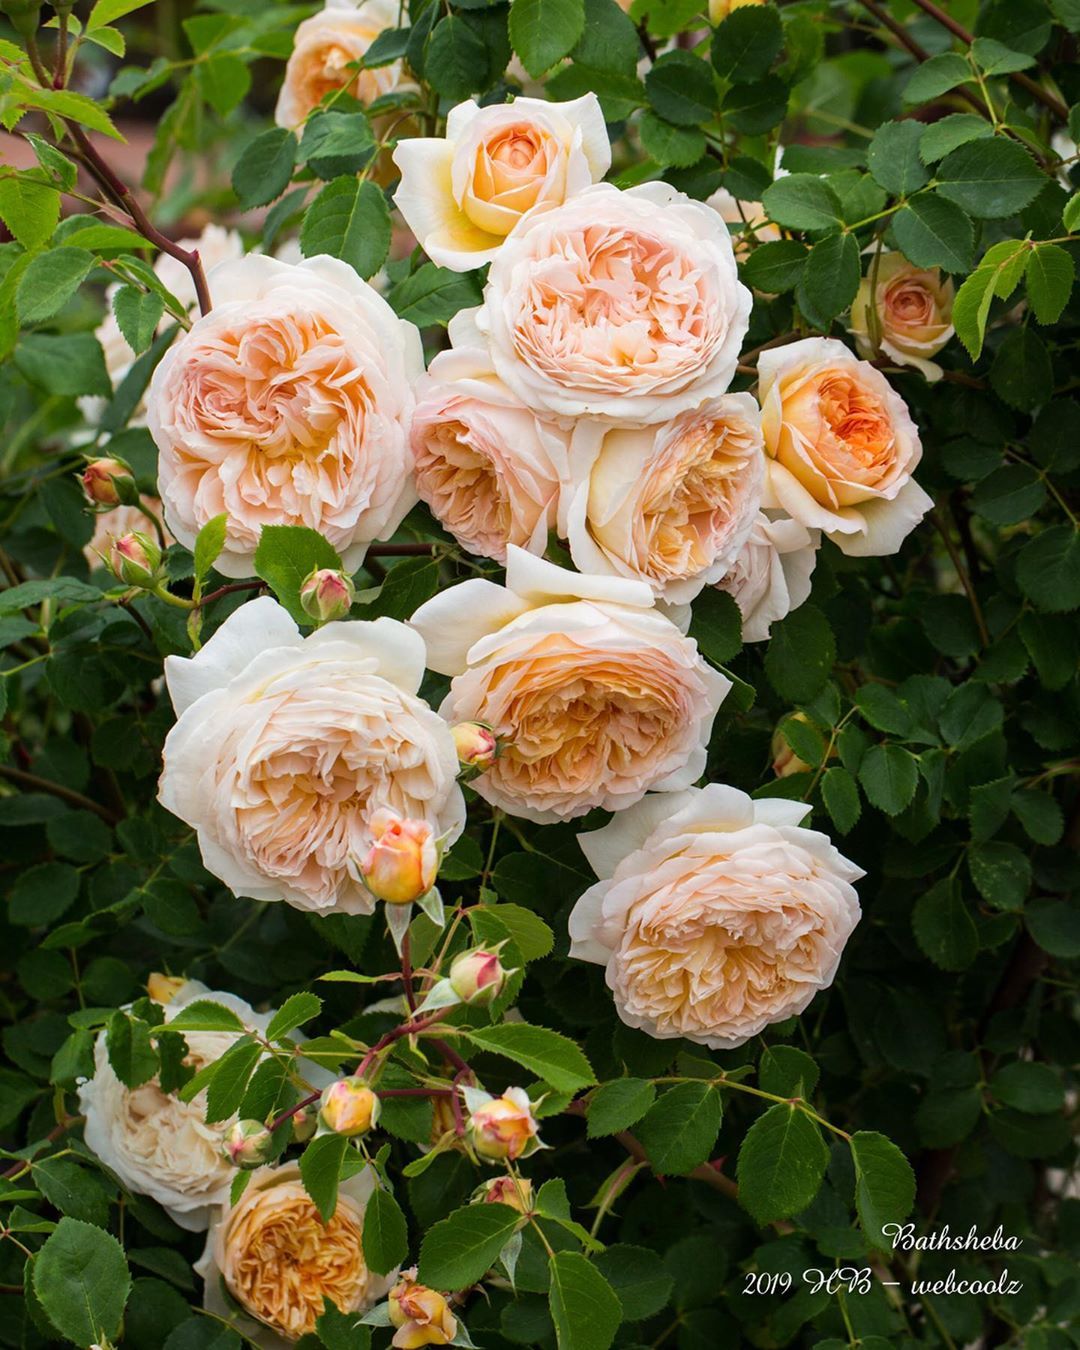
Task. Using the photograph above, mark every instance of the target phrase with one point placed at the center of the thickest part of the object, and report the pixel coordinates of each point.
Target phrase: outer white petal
(628, 831)
(886, 524)
(426, 200)
(250, 630)
(586, 113)
(783, 490)
(453, 622)
(540, 582)
(585, 922)
(780, 811)
(398, 649)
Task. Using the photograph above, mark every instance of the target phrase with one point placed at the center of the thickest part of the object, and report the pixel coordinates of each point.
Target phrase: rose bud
(304, 1124)
(164, 988)
(442, 1118)
(108, 482)
(135, 559)
(327, 594)
(248, 1144)
(503, 1127)
(421, 1316)
(477, 746)
(516, 1192)
(349, 1107)
(785, 761)
(401, 864)
(477, 976)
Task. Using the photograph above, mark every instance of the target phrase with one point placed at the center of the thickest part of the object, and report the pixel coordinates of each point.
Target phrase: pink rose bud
(516, 1192)
(503, 1127)
(477, 976)
(327, 594)
(349, 1107)
(304, 1124)
(163, 988)
(401, 864)
(108, 482)
(477, 746)
(248, 1144)
(421, 1315)
(135, 559)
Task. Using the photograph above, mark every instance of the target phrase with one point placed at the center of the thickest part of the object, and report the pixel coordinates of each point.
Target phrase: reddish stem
(278, 1121)
(407, 972)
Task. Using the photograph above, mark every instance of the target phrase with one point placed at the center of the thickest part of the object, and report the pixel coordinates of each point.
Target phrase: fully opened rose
(594, 695)
(288, 404)
(715, 915)
(287, 748)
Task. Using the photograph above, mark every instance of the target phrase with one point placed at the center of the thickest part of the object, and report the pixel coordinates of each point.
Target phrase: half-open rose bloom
(462, 194)
(913, 313)
(288, 404)
(715, 915)
(671, 504)
(595, 696)
(620, 305)
(286, 747)
(279, 1261)
(842, 447)
(155, 1143)
(324, 49)
(488, 468)
(771, 575)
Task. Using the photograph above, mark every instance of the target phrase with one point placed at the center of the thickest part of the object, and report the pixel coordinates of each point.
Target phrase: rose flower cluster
(588, 396)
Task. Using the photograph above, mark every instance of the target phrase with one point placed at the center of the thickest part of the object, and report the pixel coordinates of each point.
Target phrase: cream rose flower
(486, 466)
(286, 747)
(715, 915)
(594, 695)
(842, 447)
(904, 311)
(280, 1262)
(288, 404)
(671, 505)
(620, 305)
(771, 575)
(324, 51)
(462, 194)
(156, 1144)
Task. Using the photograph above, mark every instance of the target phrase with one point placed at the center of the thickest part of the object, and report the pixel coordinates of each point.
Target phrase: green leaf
(544, 31)
(787, 1072)
(681, 89)
(609, 41)
(131, 1051)
(286, 555)
(1055, 926)
(617, 1105)
(348, 220)
(42, 893)
(670, 145)
(802, 201)
(386, 1237)
(294, 1012)
(553, 1057)
(1001, 873)
(206, 1015)
(230, 1080)
(932, 232)
(81, 1280)
(639, 1278)
(944, 928)
(755, 108)
(459, 1250)
(781, 1164)
(29, 208)
(1049, 279)
(894, 158)
(72, 1190)
(832, 274)
(1030, 1087)
(320, 1171)
(108, 11)
(138, 314)
(716, 625)
(746, 43)
(584, 1307)
(528, 932)
(456, 62)
(265, 168)
(1009, 495)
(884, 1185)
(679, 1132)
(994, 58)
(1070, 216)
(936, 77)
(1022, 375)
(840, 793)
(1048, 569)
(49, 282)
(950, 132)
(336, 143)
(991, 179)
(800, 654)
(433, 295)
(776, 266)
(1040, 815)
(63, 363)
(889, 775)
(208, 544)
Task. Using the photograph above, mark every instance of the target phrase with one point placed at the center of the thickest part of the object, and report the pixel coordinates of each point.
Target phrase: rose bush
(579, 500)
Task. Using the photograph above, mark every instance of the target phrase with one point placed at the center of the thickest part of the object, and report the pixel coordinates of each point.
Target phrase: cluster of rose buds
(349, 1107)
(327, 595)
(421, 1315)
(401, 865)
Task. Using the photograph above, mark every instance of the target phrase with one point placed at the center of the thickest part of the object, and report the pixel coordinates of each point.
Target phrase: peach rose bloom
(913, 308)
(771, 575)
(155, 1143)
(286, 748)
(594, 695)
(324, 48)
(671, 504)
(842, 447)
(715, 915)
(279, 1261)
(620, 305)
(488, 468)
(288, 404)
(462, 194)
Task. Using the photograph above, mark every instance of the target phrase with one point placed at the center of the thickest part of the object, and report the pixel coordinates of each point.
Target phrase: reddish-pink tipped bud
(304, 1124)
(477, 746)
(421, 1315)
(349, 1107)
(477, 976)
(327, 594)
(401, 864)
(135, 559)
(108, 482)
(504, 1127)
(517, 1192)
(247, 1144)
